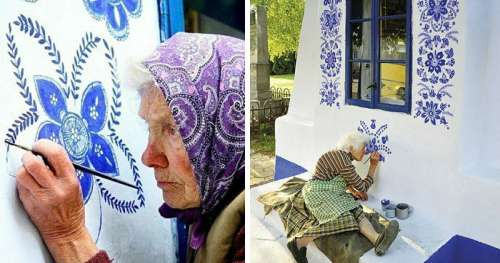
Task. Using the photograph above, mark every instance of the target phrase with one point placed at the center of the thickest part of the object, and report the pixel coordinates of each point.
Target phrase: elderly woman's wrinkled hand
(51, 195)
(374, 158)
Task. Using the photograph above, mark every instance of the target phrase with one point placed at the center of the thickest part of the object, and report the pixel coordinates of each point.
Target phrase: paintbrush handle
(77, 166)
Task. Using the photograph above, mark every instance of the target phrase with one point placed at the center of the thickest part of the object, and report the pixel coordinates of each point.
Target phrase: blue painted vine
(436, 60)
(89, 134)
(330, 52)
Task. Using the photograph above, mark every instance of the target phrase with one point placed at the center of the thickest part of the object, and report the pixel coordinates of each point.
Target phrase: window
(378, 68)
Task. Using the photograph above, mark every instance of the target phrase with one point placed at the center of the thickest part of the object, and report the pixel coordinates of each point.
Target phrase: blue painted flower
(330, 93)
(431, 112)
(331, 60)
(437, 10)
(115, 12)
(330, 20)
(435, 61)
(78, 133)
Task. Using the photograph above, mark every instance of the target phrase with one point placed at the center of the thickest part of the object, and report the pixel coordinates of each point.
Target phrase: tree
(284, 20)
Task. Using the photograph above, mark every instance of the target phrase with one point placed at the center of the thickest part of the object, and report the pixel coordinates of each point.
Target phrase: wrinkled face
(358, 154)
(166, 153)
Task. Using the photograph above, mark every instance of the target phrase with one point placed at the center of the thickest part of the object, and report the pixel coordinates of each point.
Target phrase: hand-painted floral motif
(330, 93)
(88, 133)
(437, 15)
(116, 13)
(331, 52)
(78, 133)
(378, 140)
(436, 59)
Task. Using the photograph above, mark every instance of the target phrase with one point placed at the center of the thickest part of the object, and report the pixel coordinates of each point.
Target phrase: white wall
(451, 175)
(143, 236)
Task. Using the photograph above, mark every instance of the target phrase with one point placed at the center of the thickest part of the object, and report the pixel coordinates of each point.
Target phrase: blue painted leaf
(133, 6)
(117, 19)
(96, 7)
(86, 182)
(49, 130)
(94, 106)
(51, 97)
(101, 155)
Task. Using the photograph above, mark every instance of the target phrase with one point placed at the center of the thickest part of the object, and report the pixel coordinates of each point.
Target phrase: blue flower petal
(49, 130)
(86, 182)
(117, 19)
(101, 156)
(133, 6)
(96, 7)
(51, 97)
(94, 106)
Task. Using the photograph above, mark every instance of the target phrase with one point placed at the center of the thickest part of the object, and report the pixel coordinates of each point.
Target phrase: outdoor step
(417, 240)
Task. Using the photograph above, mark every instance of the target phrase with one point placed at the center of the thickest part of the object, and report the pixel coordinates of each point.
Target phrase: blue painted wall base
(460, 249)
(285, 168)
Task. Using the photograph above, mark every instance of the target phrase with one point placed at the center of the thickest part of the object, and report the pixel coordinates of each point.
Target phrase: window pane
(361, 40)
(361, 79)
(361, 9)
(392, 7)
(393, 39)
(393, 78)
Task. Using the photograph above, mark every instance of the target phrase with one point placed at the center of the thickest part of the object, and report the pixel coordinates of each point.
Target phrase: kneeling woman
(322, 206)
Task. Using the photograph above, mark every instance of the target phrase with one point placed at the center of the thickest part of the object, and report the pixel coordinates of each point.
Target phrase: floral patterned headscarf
(203, 80)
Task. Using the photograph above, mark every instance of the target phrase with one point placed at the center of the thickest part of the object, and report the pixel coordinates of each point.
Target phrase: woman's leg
(303, 241)
(366, 228)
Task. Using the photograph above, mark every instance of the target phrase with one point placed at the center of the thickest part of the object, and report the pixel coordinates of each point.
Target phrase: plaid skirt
(297, 218)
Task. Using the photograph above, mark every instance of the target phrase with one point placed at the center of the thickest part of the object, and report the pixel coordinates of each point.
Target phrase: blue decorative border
(436, 60)
(378, 139)
(34, 30)
(331, 52)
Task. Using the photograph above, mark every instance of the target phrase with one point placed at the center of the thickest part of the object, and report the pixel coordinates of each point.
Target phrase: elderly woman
(194, 107)
(322, 206)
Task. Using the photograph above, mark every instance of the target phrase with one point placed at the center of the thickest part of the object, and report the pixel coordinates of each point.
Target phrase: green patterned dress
(320, 206)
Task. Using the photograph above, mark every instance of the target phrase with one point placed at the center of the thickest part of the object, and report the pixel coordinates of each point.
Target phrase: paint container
(385, 203)
(390, 211)
(402, 211)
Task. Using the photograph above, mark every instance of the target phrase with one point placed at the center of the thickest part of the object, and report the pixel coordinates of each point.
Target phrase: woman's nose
(152, 157)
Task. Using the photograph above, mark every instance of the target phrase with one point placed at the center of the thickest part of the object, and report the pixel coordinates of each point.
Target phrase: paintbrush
(77, 166)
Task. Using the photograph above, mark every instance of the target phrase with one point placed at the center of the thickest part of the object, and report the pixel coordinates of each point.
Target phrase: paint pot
(390, 211)
(402, 211)
(385, 203)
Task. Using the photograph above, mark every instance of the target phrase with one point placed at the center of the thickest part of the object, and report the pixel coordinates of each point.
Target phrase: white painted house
(421, 78)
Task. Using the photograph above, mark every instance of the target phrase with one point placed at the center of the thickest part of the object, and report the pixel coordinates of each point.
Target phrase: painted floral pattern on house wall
(331, 52)
(436, 60)
(73, 110)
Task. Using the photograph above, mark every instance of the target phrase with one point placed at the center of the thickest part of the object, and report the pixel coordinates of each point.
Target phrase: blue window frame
(171, 18)
(378, 50)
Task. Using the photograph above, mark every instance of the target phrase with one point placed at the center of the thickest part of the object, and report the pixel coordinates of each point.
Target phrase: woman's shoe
(385, 239)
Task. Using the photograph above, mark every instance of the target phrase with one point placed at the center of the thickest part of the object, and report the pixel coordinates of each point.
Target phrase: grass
(282, 81)
(263, 143)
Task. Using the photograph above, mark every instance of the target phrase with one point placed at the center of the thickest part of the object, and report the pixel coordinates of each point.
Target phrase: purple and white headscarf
(203, 79)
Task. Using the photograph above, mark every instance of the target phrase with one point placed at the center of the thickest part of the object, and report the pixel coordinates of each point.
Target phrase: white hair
(354, 140)
(137, 75)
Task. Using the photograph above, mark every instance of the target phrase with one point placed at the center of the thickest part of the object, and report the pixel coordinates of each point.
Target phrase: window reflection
(362, 80)
(393, 83)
